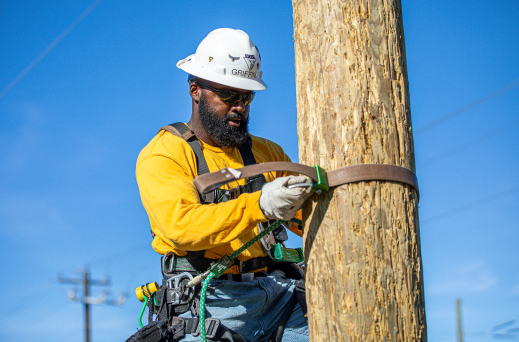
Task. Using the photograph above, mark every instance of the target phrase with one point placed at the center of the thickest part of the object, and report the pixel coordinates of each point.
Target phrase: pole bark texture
(362, 246)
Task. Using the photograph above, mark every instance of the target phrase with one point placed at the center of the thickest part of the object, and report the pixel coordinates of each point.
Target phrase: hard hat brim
(189, 66)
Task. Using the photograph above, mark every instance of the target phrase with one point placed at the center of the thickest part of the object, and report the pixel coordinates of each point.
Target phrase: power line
(471, 205)
(471, 143)
(495, 93)
(131, 250)
(49, 48)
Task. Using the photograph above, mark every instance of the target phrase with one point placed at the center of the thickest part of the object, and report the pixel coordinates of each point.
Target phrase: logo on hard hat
(210, 59)
(250, 60)
(244, 74)
(233, 58)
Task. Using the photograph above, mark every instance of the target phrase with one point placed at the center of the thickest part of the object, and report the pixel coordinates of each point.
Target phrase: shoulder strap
(246, 152)
(181, 130)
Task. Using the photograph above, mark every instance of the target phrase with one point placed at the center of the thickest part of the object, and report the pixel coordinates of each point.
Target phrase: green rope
(256, 238)
(142, 311)
(202, 306)
(232, 257)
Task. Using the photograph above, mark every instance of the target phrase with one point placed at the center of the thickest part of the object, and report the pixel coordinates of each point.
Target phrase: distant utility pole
(86, 299)
(460, 331)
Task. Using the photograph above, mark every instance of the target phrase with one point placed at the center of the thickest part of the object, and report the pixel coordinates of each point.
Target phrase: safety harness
(180, 290)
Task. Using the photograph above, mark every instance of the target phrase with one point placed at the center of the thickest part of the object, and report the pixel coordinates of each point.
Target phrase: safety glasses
(230, 96)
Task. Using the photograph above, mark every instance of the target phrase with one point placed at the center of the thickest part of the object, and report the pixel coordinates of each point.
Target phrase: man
(254, 294)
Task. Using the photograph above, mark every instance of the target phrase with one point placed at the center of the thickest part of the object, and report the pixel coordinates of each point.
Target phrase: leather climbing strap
(341, 176)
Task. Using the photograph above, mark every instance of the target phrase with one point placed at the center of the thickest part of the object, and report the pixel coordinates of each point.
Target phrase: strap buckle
(268, 240)
(177, 293)
(211, 327)
(209, 197)
(233, 193)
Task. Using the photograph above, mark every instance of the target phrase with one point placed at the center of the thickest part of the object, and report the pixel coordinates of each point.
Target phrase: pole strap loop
(344, 175)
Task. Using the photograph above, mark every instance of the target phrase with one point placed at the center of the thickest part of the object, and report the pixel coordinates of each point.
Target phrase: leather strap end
(208, 182)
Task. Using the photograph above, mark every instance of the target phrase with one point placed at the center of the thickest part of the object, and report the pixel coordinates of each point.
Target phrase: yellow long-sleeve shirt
(165, 171)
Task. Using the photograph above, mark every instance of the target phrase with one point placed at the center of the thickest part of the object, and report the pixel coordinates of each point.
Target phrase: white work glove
(278, 202)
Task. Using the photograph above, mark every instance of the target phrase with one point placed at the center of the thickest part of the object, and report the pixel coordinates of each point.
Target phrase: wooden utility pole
(87, 300)
(460, 330)
(86, 285)
(362, 243)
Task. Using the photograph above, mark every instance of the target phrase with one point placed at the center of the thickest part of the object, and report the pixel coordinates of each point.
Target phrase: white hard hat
(227, 57)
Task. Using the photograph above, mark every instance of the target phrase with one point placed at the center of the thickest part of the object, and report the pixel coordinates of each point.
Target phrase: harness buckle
(177, 293)
(233, 193)
(209, 197)
(211, 327)
(268, 240)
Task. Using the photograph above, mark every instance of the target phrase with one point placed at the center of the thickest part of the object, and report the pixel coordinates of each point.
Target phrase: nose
(239, 107)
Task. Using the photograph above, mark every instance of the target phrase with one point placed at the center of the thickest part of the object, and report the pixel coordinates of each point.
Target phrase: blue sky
(71, 130)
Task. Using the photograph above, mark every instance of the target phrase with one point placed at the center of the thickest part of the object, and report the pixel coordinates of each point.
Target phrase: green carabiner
(322, 180)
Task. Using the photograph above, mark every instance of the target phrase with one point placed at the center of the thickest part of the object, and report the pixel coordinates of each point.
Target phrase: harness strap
(182, 326)
(246, 152)
(214, 329)
(181, 130)
(343, 175)
(174, 264)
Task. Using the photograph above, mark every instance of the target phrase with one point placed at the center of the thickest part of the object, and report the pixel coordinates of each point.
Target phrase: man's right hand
(279, 202)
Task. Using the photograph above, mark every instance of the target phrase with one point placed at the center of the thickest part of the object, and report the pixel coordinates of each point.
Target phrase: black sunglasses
(230, 96)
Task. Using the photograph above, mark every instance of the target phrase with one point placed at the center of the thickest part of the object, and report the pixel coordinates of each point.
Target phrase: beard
(223, 134)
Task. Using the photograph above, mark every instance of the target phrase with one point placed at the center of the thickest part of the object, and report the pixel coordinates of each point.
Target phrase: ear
(195, 91)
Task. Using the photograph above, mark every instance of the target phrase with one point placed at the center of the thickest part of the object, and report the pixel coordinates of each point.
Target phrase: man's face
(226, 124)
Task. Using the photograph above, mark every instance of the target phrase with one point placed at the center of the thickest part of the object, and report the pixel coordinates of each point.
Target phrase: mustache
(235, 116)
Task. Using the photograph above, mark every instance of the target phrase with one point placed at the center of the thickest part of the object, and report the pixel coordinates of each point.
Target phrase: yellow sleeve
(294, 228)
(165, 178)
